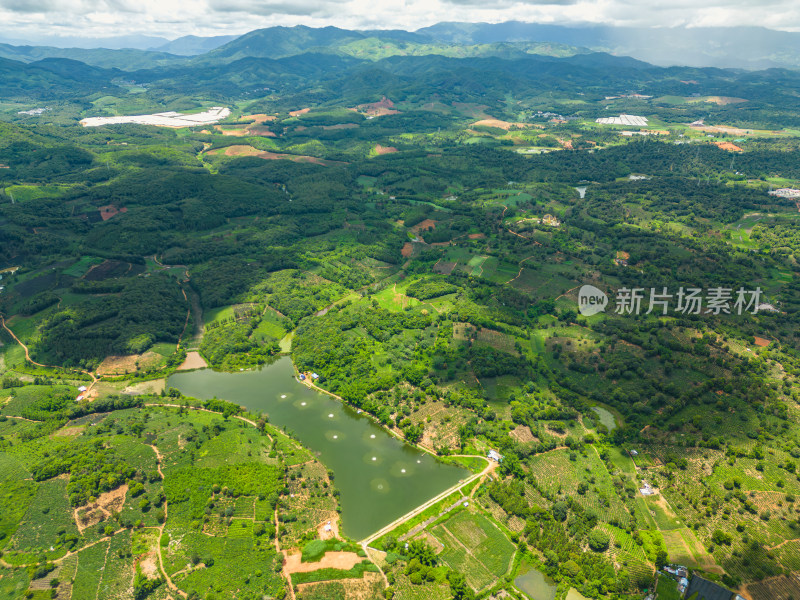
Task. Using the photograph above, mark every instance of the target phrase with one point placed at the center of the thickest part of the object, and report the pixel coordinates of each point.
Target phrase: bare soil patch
(91, 514)
(723, 100)
(297, 113)
(69, 431)
(408, 248)
(728, 146)
(110, 210)
(149, 567)
(760, 341)
(326, 533)
(380, 150)
(522, 434)
(234, 131)
(154, 386)
(121, 365)
(242, 150)
(193, 361)
(476, 236)
(259, 118)
(331, 560)
(261, 131)
(721, 129)
(500, 124)
(378, 109)
(424, 225)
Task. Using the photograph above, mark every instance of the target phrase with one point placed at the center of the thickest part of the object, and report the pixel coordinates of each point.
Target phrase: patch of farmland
(370, 586)
(497, 340)
(122, 365)
(405, 590)
(243, 150)
(48, 514)
(443, 267)
(90, 569)
(82, 265)
(441, 424)
(557, 475)
(474, 546)
(684, 548)
(117, 580)
(627, 554)
(775, 588)
(476, 262)
(110, 269)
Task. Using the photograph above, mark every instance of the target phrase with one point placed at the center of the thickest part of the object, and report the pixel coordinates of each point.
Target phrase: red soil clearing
(331, 560)
(106, 212)
(728, 146)
(384, 149)
(260, 118)
(297, 113)
(378, 109)
(499, 124)
(241, 150)
(761, 341)
(408, 248)
(424, 225)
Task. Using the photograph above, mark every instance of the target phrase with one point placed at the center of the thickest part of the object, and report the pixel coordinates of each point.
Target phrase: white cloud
(170, 18)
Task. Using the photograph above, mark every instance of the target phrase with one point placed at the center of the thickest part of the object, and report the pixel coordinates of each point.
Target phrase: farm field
(474, 546)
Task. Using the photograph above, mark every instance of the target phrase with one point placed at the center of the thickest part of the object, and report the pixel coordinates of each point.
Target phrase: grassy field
(91, 563)
(667, 589)
(48, 516)
(475, 547)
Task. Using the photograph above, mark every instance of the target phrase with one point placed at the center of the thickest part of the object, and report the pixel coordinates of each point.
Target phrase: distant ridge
(742, 47)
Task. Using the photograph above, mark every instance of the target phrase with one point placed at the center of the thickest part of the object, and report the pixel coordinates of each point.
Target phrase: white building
(785, 193)
(631, 120)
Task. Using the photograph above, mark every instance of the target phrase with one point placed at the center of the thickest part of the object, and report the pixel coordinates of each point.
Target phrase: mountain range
(730, 47)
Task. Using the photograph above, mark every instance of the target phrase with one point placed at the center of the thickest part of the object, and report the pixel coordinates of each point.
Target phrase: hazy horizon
(36, 20)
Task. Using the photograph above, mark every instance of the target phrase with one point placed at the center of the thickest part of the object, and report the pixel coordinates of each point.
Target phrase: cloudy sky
(30, 19)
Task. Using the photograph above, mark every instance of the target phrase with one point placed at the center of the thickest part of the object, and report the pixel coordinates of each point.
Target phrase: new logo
(591, 300)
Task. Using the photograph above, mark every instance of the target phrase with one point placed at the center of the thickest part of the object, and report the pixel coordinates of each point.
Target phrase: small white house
(495, 456)
(82, 388)
(314, 376)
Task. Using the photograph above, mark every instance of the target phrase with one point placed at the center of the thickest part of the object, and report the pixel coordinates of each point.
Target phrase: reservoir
(536, 585)
(380, 477)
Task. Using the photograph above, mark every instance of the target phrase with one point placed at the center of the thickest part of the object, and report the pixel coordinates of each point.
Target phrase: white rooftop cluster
(624, 120)
(165, 119)
(786, 193)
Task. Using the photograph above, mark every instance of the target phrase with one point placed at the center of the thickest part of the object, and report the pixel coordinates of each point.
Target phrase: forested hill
(317, 75)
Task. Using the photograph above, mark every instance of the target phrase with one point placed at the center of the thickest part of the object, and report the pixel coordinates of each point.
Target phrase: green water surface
(380, 477)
